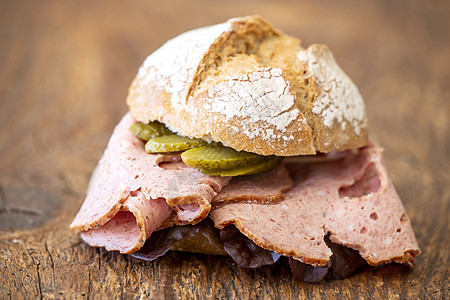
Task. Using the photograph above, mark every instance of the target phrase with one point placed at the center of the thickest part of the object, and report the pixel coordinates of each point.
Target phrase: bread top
(253, 88)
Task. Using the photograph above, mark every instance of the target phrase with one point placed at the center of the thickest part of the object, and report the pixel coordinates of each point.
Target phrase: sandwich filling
(290, 211)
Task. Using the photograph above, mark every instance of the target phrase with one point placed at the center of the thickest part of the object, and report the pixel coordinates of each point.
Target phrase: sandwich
(240, 142)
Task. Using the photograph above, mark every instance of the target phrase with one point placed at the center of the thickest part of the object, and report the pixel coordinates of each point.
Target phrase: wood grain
(65, 67)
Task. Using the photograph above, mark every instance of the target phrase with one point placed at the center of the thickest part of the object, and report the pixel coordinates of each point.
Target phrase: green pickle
(218, 157)
(211, 159)
(148, 131)
(260, 167)
(172, 143)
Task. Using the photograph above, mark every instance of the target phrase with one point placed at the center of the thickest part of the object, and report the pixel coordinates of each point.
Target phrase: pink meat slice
(265, 188)
(127, 170)
(351, 200)
(129, 228)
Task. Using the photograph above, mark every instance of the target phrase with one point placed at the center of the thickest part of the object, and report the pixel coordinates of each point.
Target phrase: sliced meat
(129, 228)
(265, 188)
(126, 168)
(352, 200)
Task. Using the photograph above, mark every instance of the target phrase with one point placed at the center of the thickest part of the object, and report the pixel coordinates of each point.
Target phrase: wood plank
(65, 67)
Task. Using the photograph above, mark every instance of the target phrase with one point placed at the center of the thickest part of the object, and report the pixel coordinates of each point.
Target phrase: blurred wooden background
(65, 67)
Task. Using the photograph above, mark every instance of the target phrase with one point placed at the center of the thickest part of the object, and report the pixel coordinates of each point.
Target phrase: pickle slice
(171, 143)
(260, 167)
(148, 131)
(215, 158)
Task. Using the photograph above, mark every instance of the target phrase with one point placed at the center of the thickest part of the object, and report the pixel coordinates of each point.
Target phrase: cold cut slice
(351, 200)
(126, 173)
(265, 188)
(129, 228)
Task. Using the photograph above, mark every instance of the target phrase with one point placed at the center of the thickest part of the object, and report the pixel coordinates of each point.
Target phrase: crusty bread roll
(253, 88)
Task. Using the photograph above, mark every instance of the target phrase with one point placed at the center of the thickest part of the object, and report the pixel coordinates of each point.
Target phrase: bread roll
(253, 88)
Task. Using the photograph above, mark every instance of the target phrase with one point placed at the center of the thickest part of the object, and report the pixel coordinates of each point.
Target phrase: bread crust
(249, 86)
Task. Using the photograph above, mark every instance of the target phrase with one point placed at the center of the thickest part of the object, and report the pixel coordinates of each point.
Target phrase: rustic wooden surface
(65, 67)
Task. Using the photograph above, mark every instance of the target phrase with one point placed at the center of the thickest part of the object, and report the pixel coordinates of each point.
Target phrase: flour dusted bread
(249, 86)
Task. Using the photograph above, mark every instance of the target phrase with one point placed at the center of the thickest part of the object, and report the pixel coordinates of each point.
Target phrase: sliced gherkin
(217, 157)
(148, 131)
(172, 143)
(260, 167)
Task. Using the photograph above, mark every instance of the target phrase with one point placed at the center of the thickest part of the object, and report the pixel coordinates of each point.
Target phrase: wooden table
(65, 67)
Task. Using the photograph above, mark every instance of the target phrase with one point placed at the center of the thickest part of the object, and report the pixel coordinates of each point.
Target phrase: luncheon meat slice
(129, 228)
(265, 188)
(126, 169)
(351, 200)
